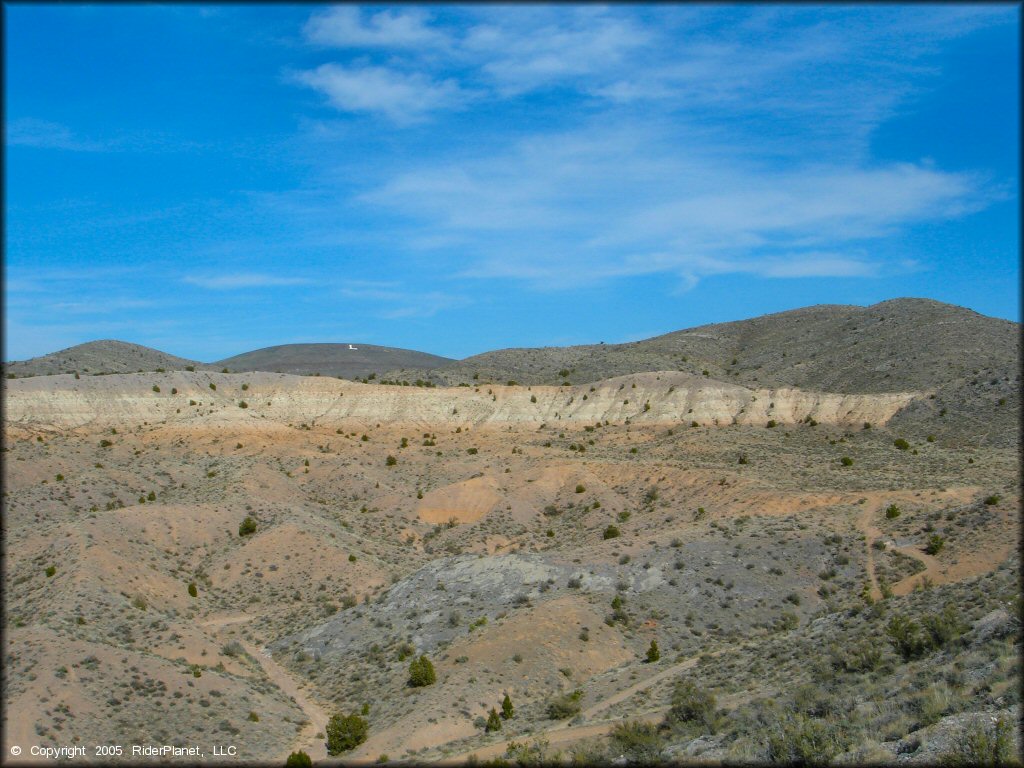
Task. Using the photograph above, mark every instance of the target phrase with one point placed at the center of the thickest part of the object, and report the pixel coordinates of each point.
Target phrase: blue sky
(457, 178)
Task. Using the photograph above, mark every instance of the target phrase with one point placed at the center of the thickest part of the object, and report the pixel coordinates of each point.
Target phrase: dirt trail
(223, 621)
(936, 571)
(562, 732)
(871, 534)
(306, 740)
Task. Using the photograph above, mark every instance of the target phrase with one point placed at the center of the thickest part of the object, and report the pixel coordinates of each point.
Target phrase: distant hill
(969, 360)
(346, 360)
(96, 357)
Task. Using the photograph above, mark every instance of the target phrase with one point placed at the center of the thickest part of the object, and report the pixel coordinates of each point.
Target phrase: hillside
(96, 357)
(970, 362)
(235, 557)
(348, 361)
(919, 343)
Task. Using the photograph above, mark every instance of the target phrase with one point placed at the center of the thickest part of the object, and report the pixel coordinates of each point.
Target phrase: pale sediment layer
(668, 397)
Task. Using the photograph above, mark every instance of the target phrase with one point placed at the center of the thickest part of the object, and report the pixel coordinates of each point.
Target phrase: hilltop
(349, 361)
(100, 357)
(896, 344)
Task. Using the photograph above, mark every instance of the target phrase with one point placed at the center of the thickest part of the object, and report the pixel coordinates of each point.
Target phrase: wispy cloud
(606, 203)
(230, 282)
(43, 134)
(402, 97)
(349, 27)
(393, 301)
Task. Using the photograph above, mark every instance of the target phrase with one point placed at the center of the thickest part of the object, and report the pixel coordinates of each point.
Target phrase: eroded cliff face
(667, 397)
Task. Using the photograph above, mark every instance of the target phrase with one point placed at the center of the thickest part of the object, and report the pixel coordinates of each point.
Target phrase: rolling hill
(346, 360)
(100, 357)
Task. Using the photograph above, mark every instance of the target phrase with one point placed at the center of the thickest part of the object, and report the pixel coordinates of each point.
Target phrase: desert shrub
(345, 733)
(105, 443)
(213, 386)
(391, 461)
(900, 443)
(691, 705)
(864, 656)
(580, 489)
(298, 760)
(981, 744)
(421, 672)
(242, 404)
(992, 500)
(771, 424)
(637, 741)
(906, 637)
(51, 570)
(942, 628)
(653, 653)
(247, 527)
(156, 388)
(611, 532)
(846, 461)
(892, 512)
(565, 705)
(533, 398)
(232, 649)
(192, 590)
(493, 721)
(935, 544)
(802, 740)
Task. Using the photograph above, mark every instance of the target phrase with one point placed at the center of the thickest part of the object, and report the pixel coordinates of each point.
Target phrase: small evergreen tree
(653, 654)
(192, 589)
(421, 672)
(298, 760)
(345, 733)
(507, 710)
(247, 527)
(493, 721)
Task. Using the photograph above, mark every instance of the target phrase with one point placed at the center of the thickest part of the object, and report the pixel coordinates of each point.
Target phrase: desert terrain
(827, 564)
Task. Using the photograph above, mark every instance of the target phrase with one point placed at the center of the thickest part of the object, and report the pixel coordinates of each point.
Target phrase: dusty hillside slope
(970, 362)
(528, 557)
(332, 360)
(920, 343)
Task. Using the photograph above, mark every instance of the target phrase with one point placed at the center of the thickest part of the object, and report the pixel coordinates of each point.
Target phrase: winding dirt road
(306, 739)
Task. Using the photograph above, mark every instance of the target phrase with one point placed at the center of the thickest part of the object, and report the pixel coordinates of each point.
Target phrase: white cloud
(608, 203)
(521, 51)
(243, 280)
(401, 97)
(347, 27)
(393, 301)
(43, 134)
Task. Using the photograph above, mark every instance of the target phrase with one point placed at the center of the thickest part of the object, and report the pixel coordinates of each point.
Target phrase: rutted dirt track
(564, 733)
(306, 740)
